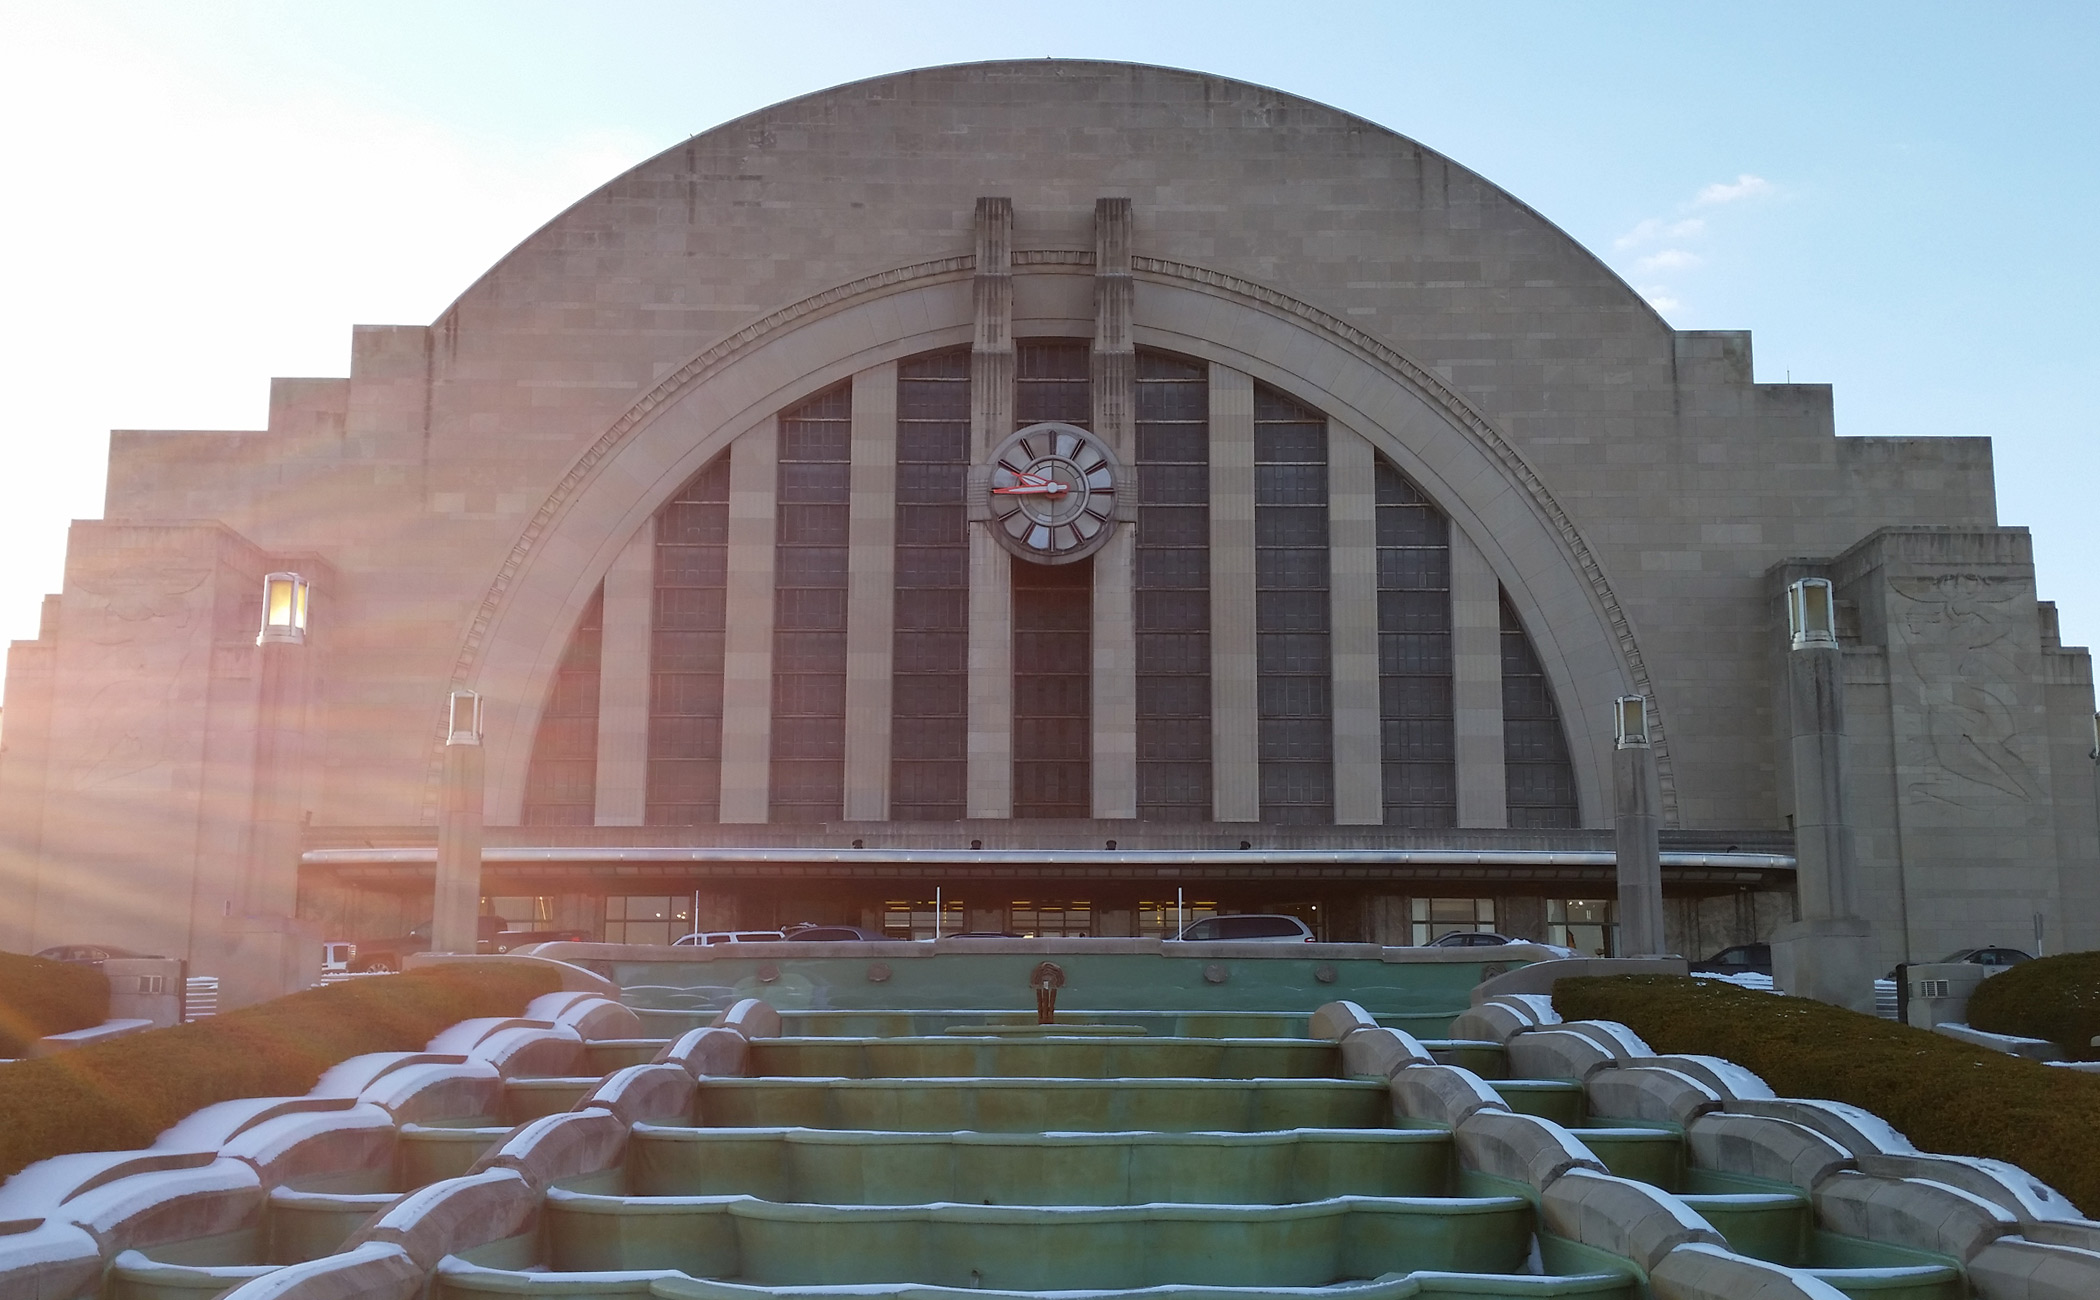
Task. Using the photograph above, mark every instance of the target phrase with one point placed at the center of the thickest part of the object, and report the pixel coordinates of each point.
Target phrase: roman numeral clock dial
(1052, 493)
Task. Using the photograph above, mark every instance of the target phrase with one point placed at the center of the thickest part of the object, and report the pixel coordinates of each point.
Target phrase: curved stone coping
(136, 1275)
(958, 1057)
(889, 1168)
(1029, 1248)
(458, 1277)
(920, 1024)
(1561, 1100)
(1008, 1105)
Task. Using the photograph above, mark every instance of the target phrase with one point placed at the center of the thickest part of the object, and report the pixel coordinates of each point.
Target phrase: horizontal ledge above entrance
(1154, 863)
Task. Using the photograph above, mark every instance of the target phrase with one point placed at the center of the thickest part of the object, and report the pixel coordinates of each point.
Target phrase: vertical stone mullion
(1352, 564)
(623, 682)
(747, 655)
(1235, 721)
(1114, 370)
(1476, 685)
(991, 746)
(871, 598)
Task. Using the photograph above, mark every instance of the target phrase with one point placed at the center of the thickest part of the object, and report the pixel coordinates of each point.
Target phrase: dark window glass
(1293, 653)
(1052, 381)
(1053, 612)
(1173, 589)
(685, 652)
(807, 781)
(929, 682)
(1540, 778)
(561, 783)
(1418, 744)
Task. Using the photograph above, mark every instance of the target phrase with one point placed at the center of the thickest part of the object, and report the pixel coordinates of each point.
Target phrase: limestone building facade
(1060, 497)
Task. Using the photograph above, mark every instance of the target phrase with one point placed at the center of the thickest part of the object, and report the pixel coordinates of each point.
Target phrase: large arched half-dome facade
(1056, 497)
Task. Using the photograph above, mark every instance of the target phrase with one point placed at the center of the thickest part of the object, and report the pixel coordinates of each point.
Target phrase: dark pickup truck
(387, 954)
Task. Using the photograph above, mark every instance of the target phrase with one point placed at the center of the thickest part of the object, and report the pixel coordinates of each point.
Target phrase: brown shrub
(119, 1095)
(39, 997)
(1943, 1095)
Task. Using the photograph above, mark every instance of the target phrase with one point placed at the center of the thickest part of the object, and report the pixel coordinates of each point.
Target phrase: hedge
(2057, 998)
(119, 1095)
(1943, 1095)
(39, 997)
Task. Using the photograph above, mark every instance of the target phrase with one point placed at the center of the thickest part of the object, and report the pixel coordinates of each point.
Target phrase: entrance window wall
(909, 918)
(1045, 919)
(1433, 918)
(561, 785)
(1589, 926)
(647, 918)
(1417, 740)
(1053, 614)
(1534, 749)
(520, 912)
(1165, 918)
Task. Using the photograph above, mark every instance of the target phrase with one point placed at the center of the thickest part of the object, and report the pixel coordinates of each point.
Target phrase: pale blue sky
(1897, 199)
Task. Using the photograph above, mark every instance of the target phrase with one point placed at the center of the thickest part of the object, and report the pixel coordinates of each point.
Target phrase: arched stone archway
(1553, 579)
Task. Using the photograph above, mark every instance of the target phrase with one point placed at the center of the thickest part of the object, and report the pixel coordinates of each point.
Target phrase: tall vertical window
(1535, 762)
(1173, 589)
(561, 784)
(1053, 614)
(1293, 654)
(809, 608)
(685, 652)
(1418, 743)
(930, 657)
(1053, 688)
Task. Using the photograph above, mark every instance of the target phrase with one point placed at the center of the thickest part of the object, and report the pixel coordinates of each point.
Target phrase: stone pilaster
(871, 596)
(1235, 751)
(1476, 685)
(1114, 367)
(991, 747)
(747, 655)
(623, 682)
(1352, 529)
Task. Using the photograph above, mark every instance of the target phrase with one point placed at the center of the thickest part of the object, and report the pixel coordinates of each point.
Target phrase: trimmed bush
(2057, 998)
(39, 997)
(119, 1095)
(1944, 1095)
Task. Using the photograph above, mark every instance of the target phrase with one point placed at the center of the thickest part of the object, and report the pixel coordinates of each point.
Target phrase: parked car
(710, 938)
(490, 936)
(89, 954)
(1251, 928)
(831, 934)
(1997, 958)
(1490, 939)
(1743, 959)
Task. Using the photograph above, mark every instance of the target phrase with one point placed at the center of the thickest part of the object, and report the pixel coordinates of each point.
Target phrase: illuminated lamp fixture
(284, 610)
(1811, 613)
(1631, 722)
(464, 724)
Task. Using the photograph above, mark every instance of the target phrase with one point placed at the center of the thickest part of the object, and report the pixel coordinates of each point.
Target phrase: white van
(710, 938)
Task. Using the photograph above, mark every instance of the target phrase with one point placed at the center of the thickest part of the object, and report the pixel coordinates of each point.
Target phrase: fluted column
(1476, 685)
(1352, 560)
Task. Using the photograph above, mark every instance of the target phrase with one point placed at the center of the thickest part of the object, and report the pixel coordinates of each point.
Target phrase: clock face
(1052, 493)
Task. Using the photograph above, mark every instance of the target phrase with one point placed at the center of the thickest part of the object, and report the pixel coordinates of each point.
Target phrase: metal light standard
(1637, 831)
(457, 900)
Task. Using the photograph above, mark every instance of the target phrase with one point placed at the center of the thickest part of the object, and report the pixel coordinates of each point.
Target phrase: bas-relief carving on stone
(128, 716)
(1958, 637)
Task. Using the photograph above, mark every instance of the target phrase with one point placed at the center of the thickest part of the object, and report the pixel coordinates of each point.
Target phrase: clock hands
(1026, 484)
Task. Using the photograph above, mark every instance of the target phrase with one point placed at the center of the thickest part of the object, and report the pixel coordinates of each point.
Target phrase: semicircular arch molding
(1554, 580)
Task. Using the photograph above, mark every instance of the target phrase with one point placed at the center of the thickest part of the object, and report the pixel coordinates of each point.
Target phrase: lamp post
(1826, 952)
(457, 899)
(1637, 830)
